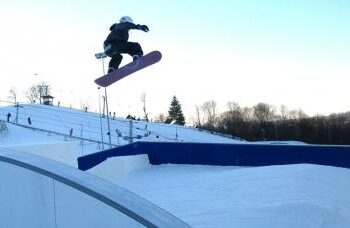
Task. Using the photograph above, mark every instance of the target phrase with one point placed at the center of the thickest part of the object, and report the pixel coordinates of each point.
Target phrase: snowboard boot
(111, 69)
(135, 58)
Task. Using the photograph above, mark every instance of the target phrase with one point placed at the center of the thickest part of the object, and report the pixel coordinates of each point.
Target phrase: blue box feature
(226, 154)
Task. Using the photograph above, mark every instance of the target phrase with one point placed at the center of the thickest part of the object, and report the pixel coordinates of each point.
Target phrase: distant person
(119, 133)
(8, 117)
(29, 121)
(117, 43)
(71, 132)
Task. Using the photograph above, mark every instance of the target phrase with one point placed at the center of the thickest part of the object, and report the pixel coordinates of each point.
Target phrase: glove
(142, 27)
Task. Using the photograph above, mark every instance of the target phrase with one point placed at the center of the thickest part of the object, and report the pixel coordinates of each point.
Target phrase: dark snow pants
(115, 49)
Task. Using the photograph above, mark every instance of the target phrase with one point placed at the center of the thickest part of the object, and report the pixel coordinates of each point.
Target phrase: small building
(48, 100)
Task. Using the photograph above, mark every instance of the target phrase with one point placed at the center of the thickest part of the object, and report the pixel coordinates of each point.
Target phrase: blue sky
(294, 53)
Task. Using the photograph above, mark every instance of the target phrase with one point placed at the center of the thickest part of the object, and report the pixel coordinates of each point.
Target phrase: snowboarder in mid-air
(117, 42)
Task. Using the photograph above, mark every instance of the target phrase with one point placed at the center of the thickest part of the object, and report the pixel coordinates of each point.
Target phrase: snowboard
(144, 61)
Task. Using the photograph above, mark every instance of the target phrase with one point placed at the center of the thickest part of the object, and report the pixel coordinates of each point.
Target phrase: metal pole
(104, 106)
(103, 66)
(109, 127)
(130, 131)
(17, 106)
(177, 139)
(81, 137)
(99, 107)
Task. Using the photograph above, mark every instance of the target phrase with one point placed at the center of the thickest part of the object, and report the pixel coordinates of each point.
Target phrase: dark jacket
(119, 32)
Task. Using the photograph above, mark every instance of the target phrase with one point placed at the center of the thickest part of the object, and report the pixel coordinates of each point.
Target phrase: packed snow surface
(274, 196)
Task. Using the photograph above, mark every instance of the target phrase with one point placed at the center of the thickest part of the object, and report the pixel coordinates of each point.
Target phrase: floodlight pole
(102, 56)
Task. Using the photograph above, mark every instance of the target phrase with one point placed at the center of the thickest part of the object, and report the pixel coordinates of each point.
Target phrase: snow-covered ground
(275, 196)
(300, 195)
(90, 126)
(51, 124)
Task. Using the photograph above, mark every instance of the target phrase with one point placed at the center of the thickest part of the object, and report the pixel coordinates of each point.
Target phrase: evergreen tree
(175, 112)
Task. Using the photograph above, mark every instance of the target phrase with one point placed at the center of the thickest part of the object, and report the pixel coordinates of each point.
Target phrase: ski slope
(90, 126)
(300, 195)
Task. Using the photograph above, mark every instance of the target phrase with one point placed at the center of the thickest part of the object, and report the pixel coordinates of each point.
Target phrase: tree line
(262, 122)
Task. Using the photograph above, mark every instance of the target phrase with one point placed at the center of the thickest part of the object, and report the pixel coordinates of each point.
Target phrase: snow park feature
(45, 193)
(200, 180)
(246, 155)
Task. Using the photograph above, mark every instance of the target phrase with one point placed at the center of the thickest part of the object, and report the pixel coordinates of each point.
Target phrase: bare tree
(160, 118)
(296, 114)
(263, 112)
(198, 119)
(302, 114)
(13, 95)
(247, 114)
(232, 106)
(234, 110)
(36, 92)
(209, 110)
(283, 112)
(32, 94)
(143, 100)
(44, 89)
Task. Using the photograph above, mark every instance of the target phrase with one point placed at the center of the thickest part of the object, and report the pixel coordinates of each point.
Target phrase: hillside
(91, 129)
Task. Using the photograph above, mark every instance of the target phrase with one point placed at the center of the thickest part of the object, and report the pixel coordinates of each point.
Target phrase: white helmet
(126, 19)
